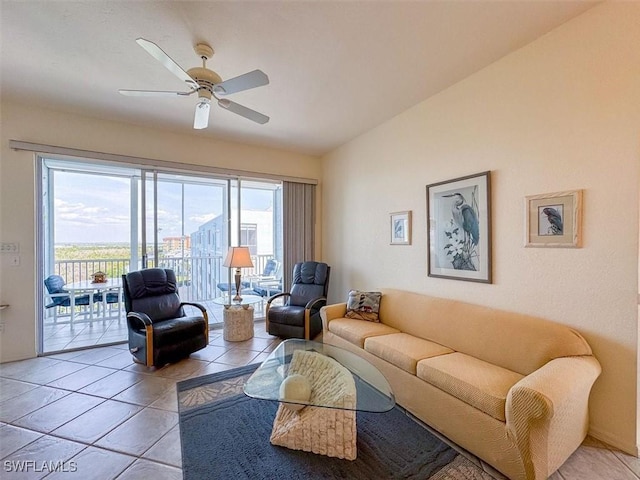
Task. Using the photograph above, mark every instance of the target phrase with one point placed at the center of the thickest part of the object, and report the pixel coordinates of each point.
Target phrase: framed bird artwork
(459, 228)
(554, 220)
(401, 228)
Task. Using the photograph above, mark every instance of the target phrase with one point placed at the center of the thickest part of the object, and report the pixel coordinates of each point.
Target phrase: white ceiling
(336, 68)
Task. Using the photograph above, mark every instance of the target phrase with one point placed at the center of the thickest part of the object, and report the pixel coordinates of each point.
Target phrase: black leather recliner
(159, 330)
(299, 317)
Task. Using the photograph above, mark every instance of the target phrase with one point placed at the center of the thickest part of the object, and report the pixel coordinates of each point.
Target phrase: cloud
(203, 218)
(78, 222)
(78, 212)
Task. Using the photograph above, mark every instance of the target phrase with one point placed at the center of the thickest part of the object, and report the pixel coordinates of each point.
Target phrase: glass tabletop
(246, 300)
(373, 392)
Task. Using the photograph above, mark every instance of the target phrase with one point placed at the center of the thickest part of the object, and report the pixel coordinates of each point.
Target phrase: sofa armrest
(329, 312)
(547, 412)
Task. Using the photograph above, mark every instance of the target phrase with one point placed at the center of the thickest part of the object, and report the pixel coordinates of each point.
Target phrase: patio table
(87, 287)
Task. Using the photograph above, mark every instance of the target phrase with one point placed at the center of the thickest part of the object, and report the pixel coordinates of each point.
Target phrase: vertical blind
(298, 222)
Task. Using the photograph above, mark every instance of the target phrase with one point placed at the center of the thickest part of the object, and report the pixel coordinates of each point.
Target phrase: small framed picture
(459, 228)
(554, 220)
(401, 228)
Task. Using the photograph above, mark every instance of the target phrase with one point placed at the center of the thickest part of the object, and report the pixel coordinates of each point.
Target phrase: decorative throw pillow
(363, 305)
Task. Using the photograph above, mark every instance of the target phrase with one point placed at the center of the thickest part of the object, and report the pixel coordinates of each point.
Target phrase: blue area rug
(225, 435)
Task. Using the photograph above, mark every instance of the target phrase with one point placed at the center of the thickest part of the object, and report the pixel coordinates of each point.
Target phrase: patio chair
(270, 272)
(60, 297)
(299, 317)
(267, 288)
(111, 297)
(160, 331)
(270, 282)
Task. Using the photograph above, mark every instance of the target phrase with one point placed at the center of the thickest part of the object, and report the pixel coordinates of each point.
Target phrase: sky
(96, 208)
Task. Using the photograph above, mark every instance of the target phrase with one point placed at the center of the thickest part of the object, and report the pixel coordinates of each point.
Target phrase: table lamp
(238, 257)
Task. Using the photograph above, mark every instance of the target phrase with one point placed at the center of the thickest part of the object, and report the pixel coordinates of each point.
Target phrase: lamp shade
(238, 257)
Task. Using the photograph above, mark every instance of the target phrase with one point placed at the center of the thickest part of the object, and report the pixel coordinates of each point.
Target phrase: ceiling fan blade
(243, 111)
(152, 93)
(156, 52)
(254, 79)
(201, 118)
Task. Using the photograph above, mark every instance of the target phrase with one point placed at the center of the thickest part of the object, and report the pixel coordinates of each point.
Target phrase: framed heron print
(401, 228)
(459, 228)
(554, 220)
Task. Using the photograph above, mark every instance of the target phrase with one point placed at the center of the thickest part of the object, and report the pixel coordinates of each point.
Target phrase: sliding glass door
(191, 221)
(186, 229)
(86, 230)
(113, 219)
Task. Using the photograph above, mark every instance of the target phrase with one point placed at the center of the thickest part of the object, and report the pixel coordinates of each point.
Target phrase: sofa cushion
(356, 331)
(363, 305)
(403, 350)
(476, 382)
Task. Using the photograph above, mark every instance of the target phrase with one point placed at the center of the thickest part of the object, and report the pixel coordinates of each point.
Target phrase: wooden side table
(238, 323)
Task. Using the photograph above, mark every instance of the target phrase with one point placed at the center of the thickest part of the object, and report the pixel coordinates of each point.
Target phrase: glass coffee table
(320, 388)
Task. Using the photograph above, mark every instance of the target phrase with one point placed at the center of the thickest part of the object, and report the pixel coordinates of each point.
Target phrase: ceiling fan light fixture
(201, 118)
(203, 101)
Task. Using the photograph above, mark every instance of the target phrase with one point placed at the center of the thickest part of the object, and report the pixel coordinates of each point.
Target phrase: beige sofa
(510, 388)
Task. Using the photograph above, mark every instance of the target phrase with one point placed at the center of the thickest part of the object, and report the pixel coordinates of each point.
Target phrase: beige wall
(17, 190)
(562, 113)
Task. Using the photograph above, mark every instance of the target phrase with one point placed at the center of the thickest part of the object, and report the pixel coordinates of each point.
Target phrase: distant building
(256, 232)
(176, 243)
(209, 245)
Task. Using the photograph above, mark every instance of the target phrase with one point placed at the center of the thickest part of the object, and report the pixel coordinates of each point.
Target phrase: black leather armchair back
(153, 291)
(310, 280)
(159, 329)
(299, 317)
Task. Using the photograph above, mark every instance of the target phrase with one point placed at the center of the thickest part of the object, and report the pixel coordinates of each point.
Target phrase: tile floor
(96, 412)
(60, 336)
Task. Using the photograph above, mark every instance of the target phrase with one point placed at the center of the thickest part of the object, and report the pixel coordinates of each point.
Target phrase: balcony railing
(78, 270)
(198, 277)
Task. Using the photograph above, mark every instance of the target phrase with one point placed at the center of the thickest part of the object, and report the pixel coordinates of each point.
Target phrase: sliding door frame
(140, 198)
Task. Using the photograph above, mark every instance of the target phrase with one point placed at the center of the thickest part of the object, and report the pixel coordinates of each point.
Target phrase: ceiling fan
(206, 83)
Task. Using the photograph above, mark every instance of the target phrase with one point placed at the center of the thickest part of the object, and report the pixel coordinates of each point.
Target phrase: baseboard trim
(614, 442)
